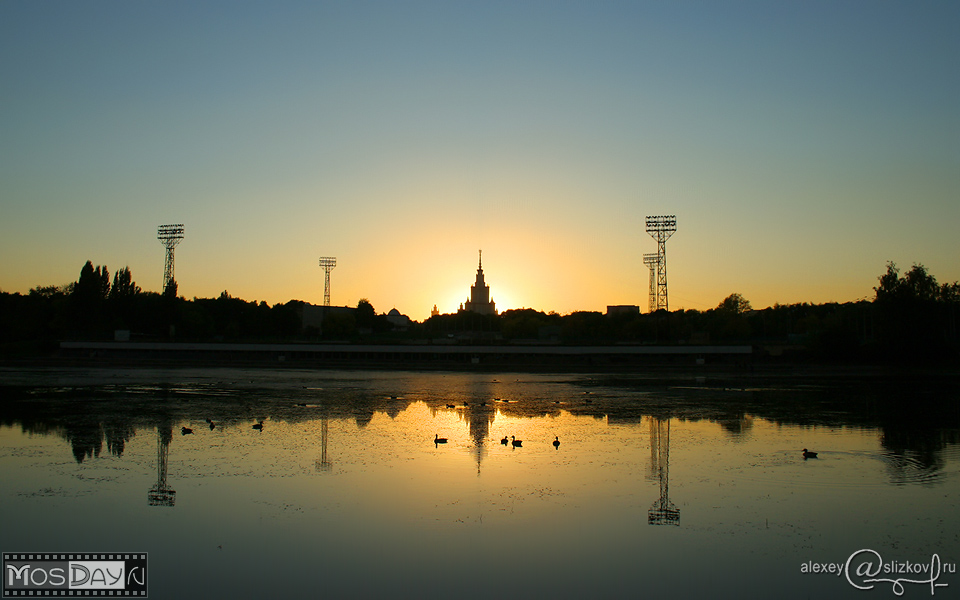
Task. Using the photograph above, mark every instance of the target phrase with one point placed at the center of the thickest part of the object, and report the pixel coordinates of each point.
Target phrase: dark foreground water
(687, 487)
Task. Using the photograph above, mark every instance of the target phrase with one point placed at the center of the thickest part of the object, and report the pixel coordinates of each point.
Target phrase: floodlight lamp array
(170, 232)
(662, 223)
(328, 262)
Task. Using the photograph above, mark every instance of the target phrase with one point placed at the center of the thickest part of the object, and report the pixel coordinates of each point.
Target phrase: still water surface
(679, 487)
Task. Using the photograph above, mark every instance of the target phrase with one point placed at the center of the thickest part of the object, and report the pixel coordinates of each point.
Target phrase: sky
(801, 146)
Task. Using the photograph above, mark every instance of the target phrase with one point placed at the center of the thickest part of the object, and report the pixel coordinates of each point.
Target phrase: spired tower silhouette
(480, 301)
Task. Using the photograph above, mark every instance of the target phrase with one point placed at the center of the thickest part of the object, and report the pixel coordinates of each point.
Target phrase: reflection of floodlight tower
(328, 263)
(651, 261)
(323, 464)
(161, 494)
(663, 512)
(170, 236)
(661, 228)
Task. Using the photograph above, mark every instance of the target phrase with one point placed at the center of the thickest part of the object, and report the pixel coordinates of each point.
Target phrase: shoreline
(649, 361)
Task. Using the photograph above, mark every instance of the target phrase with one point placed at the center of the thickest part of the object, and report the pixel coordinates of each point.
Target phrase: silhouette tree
(93, 285)
(122, 299)
(734, 304)
(123, 285)
(338, 325)
(729, 319)
(365, 315)
(525, 323)
(88, 298)
(52, 291)
(912, 317)
(916, 315)
(583, 327)
(916, 286)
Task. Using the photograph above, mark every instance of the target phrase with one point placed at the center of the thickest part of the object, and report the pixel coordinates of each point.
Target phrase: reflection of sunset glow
(431, 515)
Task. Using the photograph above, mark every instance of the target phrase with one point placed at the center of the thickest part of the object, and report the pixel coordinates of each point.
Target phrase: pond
(676, 486)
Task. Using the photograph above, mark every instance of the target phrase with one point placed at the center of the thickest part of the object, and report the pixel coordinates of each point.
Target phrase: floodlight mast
(169, 236)
(661, 228)
(328, 263)
(651, 261)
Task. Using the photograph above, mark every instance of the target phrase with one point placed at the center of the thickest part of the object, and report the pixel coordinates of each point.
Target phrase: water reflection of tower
(479, 419)
(161, 494)
(323, 464)
(663, 512)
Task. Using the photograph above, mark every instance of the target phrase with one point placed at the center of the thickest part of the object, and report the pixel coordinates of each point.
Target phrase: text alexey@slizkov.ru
(864, 574)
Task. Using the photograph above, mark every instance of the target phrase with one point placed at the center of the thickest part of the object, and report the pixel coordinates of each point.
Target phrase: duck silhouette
(185, 430)
(259, 426)
(439, 440)
(504, 441)
(556, 442)
(807, 454)
(516, 443)
(212, 424)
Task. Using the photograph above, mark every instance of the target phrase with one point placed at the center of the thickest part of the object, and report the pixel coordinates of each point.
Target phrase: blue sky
(800, 144)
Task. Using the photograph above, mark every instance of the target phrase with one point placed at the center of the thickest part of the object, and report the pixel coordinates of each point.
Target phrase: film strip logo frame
(58, 574)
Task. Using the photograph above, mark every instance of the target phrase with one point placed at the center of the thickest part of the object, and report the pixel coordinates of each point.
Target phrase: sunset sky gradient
(801, 145)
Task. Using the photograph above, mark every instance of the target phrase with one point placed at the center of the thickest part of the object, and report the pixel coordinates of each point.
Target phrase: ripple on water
(838, 469)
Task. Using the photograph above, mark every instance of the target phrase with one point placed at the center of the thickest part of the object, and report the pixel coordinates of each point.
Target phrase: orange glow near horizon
(401, 145)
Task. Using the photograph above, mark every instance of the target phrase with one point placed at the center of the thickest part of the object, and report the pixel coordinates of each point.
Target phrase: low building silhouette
(623, 309)
(399, 321)
(312, 315)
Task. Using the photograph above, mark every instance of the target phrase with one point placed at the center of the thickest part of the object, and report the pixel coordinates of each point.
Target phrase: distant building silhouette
(399, 321)
(312, 315)
(623, 309)
(434, 312)
(480, 301)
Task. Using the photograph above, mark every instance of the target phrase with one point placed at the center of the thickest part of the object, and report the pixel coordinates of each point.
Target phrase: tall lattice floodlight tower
(169, 236)
(328, 263)
(651, 261)
(661, 228)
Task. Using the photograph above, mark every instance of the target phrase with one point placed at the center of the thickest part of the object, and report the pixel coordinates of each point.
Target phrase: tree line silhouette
(911, 317)
(90, 417)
